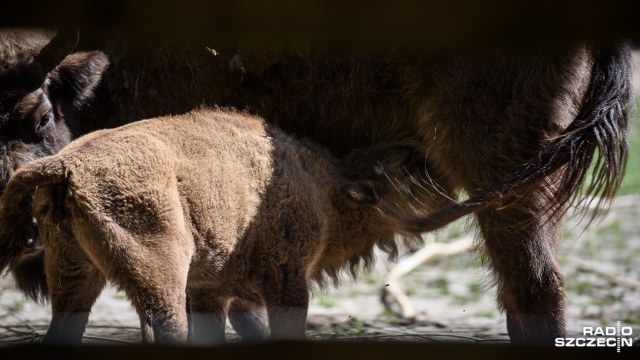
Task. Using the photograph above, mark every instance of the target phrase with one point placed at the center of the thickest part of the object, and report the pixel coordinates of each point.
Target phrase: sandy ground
(450, 294)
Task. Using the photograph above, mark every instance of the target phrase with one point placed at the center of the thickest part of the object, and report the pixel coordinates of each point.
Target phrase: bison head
(42, 85)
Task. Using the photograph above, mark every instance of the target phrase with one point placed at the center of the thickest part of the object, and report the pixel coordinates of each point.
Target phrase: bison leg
(208, 314)
(520, 243)
(156, 287)
(154, 278)
(163, 318)
(287, 298)
(74, 285)
(249, 319)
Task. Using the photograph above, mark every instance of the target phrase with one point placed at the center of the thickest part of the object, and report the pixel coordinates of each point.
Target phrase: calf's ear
(74, 80)
(361, 193)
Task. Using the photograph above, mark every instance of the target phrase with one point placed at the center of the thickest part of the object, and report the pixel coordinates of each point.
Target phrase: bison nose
(361, 192)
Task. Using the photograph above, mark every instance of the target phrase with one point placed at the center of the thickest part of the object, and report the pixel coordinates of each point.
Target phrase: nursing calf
(194, 210)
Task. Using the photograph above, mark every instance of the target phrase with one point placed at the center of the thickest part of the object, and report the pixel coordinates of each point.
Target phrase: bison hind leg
(530, 286)
(74, 285)
(71, 303)
(161, 308)
(74, 282)
(156, 288)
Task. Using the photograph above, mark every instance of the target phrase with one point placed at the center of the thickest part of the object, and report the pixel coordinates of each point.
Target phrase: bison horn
(52, 54)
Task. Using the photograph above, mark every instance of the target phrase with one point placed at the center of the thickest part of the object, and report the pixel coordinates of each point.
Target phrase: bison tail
(594, 144)
(414, 225)
(20, 250)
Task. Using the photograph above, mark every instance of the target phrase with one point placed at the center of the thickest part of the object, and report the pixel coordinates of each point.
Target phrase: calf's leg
(74, 284)
(152, 270)
(208, 314)
(286, 295)
(249, 319)
(157, 288)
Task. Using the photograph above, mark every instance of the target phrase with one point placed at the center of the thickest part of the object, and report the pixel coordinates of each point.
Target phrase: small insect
(213, 51)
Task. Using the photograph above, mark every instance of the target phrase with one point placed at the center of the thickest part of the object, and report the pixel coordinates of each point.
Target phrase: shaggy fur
(485, 123)
(205, 207)
(42, 89)
(482, 123)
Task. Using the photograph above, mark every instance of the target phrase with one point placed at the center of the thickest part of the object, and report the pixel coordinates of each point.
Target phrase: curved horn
(52, 54)
(61, 45)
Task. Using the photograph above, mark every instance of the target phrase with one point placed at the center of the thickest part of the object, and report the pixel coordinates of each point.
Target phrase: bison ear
(361, 193)
(74, 80)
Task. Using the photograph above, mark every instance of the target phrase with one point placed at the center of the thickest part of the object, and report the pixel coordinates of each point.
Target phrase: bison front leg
(519, 242)
(249, 319)
(208, 315)
(286, 295)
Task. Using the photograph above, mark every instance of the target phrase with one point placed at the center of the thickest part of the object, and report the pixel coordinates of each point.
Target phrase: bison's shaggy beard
(365, 260)
(405, 189)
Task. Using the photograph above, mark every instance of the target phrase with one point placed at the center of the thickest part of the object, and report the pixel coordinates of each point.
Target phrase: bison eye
(45, 120)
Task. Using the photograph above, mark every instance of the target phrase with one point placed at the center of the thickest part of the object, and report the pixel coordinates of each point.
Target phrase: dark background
(450, 23)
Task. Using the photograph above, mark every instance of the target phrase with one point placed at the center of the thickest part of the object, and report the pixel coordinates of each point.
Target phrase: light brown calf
(201, 208)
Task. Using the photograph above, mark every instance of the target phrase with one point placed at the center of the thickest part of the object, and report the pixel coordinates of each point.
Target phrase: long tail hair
(596, 141)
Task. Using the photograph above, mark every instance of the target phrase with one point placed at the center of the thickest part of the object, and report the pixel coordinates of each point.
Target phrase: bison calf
(201, 208)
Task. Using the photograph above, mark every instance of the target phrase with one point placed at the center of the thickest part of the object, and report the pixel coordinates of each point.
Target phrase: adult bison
(531, 120)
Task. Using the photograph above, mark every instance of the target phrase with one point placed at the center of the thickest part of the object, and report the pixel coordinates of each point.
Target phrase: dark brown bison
(533, 119)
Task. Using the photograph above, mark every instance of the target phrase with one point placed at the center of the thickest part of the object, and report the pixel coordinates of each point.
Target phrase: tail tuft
(594, 143)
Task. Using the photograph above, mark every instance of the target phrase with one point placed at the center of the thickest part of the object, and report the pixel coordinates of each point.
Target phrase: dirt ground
(453, 301)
